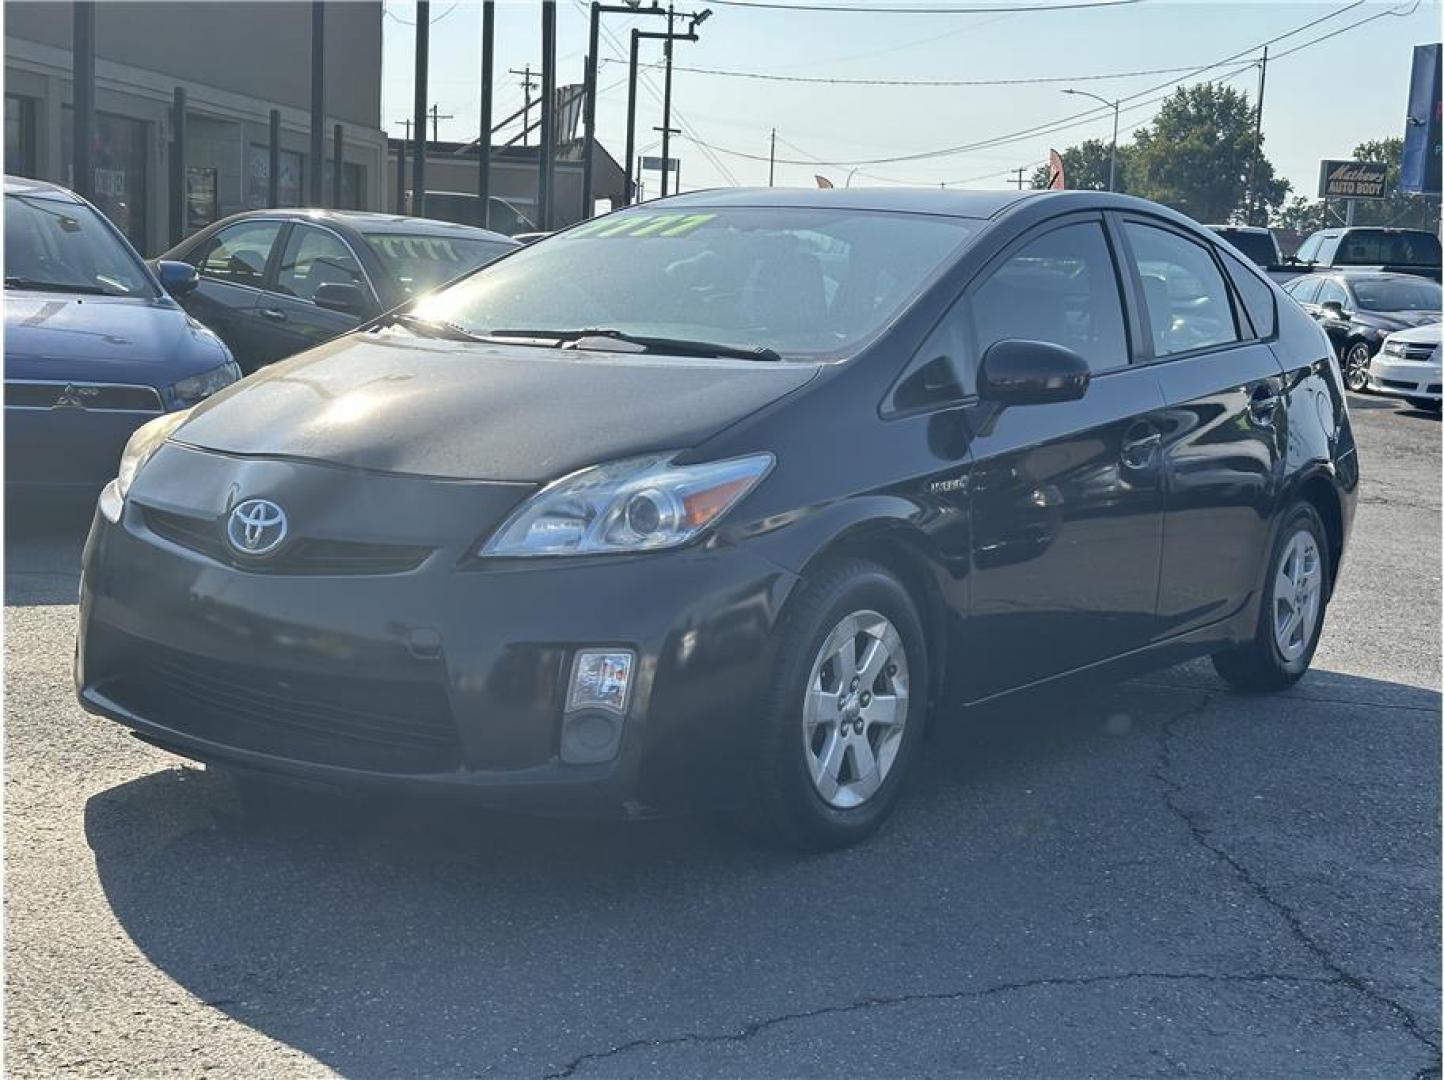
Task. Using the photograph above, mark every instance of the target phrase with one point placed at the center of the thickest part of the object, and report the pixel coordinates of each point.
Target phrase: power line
(831, 80)
(772, 5)
(1090, 114)
(412, 22)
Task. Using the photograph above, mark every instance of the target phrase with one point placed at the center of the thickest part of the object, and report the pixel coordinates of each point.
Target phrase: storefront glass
(118, 158)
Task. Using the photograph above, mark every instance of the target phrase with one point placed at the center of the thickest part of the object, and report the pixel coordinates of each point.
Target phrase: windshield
(1257, 246)
(1376, 247)
(1410, 295)
(421, 263)
(61, 246)
(800, 281)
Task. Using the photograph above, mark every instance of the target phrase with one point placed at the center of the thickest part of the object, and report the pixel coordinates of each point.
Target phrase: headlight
(143, 443)
(640, 504)
(197, 388)
(1393, 348)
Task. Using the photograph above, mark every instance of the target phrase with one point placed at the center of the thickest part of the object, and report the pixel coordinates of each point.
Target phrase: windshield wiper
(649, 343)
(433, 328)
(56, 286)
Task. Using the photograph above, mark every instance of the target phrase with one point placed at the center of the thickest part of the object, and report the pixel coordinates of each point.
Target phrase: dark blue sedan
(94, 344)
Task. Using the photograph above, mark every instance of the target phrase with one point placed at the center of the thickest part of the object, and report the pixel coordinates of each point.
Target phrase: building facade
(236, 62)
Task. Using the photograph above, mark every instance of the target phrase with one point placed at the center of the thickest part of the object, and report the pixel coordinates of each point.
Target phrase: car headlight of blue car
(196, 388)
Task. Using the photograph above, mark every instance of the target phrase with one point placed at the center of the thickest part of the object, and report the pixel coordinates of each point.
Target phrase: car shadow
(429, 939)
(43, 542)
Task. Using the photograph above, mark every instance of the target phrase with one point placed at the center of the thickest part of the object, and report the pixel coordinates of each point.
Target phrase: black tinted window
(1397, 294)
(1258, 297)
(1257, 246)
(1380, 247)
(238, 252)
(1061, 288)
(1184, 295)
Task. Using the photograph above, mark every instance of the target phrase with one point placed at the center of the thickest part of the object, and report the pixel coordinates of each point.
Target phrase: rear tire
(845, 712)
(1291, 616)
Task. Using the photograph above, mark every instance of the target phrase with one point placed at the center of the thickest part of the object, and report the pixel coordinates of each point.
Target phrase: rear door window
(313, 258)
(1257, 296)
(1185, 298)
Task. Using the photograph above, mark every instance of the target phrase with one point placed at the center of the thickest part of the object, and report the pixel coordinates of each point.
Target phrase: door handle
(1139, 445)
(274, 314)
(1263, 403)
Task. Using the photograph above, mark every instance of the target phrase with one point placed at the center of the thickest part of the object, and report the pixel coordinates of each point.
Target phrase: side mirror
(1015, 372)
(177, 278)
(340, 296)
(1333, 309)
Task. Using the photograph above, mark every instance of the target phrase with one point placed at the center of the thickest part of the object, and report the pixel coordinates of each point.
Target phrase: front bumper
(449, 677)
(1405, 378)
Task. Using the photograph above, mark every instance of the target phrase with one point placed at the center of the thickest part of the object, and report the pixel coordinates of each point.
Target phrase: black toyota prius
(722, 500)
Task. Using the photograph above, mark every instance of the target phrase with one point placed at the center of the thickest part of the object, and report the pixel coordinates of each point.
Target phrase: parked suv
(1404, 251)
(1261, 246)
(723, 499)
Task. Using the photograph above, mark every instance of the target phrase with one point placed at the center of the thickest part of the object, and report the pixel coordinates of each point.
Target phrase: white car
(1407, 366)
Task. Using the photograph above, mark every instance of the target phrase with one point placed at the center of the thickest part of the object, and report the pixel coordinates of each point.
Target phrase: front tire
(845, 712)
(1355, 365)
(1291, 617)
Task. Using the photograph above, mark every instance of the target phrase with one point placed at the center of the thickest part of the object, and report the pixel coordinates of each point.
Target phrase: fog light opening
(597, 696)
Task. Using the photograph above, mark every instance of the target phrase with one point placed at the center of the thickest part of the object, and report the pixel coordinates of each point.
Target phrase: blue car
(95, 344)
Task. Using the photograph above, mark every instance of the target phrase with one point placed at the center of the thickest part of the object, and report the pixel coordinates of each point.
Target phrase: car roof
(1258, 229)
(22, 185)
(948, 202)
(368, 222)
(1365, 274)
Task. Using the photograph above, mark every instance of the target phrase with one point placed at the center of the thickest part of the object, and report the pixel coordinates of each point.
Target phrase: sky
(1319, 102)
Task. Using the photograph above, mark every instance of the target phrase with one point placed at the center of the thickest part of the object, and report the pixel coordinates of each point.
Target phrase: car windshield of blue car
(800, 282)
(421, 263)
(54, 245)
(1398, 295)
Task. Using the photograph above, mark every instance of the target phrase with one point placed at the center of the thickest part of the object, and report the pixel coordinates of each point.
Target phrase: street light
(1112, 154)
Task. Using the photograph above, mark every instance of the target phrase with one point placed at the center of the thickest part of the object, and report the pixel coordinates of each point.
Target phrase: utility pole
(436, 117)
(772, 159)
(1255, 200)
(548, 113)
(589, 101)
(82, 60)
(1018, 178)
(695, 20)
(667, 105)
(401, 167)
(418, 146)
(483, 147)
(318, 99)
(528, 84)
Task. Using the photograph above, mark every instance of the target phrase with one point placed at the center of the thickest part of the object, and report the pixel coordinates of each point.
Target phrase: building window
(353, 184)
(21, 156)
(118, 159)
(203, 204)
(258, 177)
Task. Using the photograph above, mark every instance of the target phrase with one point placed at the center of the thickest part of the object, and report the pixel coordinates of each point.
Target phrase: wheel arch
(1321, 492)
(900, 548)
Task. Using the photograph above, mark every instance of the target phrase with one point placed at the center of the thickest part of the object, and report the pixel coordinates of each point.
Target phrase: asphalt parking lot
(1159, 878)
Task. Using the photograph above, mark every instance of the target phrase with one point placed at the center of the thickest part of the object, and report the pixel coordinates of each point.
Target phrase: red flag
(1056, 181)
(822, 181)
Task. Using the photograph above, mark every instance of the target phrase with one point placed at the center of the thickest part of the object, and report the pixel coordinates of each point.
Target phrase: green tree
(1197, 155)
(1085, 167)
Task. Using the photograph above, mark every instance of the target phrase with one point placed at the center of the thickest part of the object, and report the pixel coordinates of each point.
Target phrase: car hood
(1428, 334)
(1397, 320)
(396, 403)
(104, 339)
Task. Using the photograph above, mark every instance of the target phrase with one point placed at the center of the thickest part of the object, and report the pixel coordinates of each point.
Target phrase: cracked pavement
(1158, 878)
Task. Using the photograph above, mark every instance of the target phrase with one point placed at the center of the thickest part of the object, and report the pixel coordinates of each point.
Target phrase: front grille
(1418, 352)
(307, 555)
(1395, 384)
(360, 723)
(1435, 388)
(90, 397)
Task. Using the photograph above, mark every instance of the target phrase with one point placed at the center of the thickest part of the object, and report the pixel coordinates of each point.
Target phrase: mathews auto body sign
(1352, 179)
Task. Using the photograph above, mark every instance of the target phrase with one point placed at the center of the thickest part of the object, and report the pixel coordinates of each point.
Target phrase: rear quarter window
(1257, 296)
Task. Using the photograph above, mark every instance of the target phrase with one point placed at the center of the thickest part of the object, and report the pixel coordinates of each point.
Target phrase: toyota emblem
(256, 527)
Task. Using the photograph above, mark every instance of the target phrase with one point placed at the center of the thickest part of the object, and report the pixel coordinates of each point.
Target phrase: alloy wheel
(855, 709)
(1356, 366)
(1298, 592)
